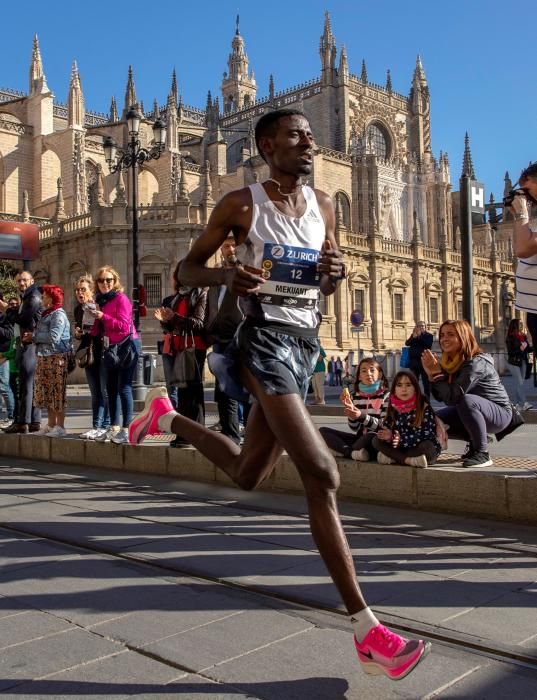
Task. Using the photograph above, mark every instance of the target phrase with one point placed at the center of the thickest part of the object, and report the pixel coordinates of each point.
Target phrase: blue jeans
(519, 375)
(5, 389)
(96, 379)
(119, 389)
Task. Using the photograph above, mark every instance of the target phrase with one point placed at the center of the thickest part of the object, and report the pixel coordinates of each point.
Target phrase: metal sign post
(472, 201)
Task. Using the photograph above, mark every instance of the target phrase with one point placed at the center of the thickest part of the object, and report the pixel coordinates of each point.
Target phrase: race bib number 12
(291, 275)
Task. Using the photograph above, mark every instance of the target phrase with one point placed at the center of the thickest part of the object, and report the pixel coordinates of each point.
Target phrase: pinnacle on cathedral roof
(467, 165)
(389, 86)
(363, 77)
(130, 93)
(113, 110)
(419, 73)
(38, 82)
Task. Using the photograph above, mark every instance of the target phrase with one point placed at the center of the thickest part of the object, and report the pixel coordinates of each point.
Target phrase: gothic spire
(343, 69)
(327, 50)
(75, 100)
(271, 87)
(389, 86)
(38, 82)
(363, 77)
(130, 94)
(156, 110)
(467, 165)
(173, 88)
(419, 73)
(508, 185)
(113, 110)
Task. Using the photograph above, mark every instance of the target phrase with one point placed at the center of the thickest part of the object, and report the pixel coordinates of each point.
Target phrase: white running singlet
(286, 249)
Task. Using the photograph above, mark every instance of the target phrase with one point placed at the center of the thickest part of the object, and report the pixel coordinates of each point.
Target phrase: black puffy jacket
(476, 376)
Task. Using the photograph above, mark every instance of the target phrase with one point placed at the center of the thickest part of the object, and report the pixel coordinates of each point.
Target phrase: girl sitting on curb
(364, 411)
(408, 435)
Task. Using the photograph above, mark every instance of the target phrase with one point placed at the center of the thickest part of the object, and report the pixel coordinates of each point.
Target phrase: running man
(284, 232)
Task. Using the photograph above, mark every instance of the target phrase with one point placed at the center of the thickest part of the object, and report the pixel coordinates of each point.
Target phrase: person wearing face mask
(409, 433)
(25, 319)
(93, 368)
(365, 410)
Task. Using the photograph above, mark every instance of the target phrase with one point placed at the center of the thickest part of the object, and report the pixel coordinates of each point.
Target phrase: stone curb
(83, 402)
(476, 493)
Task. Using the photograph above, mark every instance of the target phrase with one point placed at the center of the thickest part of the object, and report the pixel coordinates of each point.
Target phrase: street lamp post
(131, 156)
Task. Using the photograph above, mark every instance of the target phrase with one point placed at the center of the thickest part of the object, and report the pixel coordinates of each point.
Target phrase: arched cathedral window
(378, 141)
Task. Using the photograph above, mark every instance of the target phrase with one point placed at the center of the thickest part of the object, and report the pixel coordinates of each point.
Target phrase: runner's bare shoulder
(235, 208)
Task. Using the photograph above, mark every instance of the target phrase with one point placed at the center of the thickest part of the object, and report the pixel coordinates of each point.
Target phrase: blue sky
(479, 62)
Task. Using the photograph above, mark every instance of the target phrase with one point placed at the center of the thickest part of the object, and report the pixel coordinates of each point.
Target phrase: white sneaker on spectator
(527, 406)
(108, 434)
(57, 431)
(98, 432)
(88, 435)
(419, 461)
(360, 455)
(384, 459)
(6, 422)
(121, 436)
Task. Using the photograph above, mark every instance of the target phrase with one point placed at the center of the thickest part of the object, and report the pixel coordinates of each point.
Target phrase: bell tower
(238, 85)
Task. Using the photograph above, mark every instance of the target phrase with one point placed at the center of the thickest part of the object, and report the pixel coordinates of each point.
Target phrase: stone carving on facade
(120, 198)
(80, 196)
(100, 186)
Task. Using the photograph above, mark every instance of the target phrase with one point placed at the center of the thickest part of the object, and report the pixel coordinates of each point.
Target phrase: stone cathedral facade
(392, 195)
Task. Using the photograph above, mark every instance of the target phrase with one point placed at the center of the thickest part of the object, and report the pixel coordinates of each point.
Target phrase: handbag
(516, 421)
(529, 369)
(120, 355)
(404, 360)
(85, 356)
(185, 366)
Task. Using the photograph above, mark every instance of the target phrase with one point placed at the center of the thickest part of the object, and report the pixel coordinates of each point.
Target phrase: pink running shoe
(383, 651)
(157, 404)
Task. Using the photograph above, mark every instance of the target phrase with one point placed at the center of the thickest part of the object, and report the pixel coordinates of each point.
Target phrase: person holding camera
(88, 355)
(525, 246)
(419, 341)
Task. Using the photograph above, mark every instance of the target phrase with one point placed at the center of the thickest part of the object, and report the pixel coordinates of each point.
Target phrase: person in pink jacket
(114, 324)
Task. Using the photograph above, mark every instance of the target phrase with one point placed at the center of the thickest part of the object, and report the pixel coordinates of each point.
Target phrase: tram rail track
(308, 609)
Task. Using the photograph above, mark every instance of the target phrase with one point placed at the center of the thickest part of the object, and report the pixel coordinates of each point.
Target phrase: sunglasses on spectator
(108, 280)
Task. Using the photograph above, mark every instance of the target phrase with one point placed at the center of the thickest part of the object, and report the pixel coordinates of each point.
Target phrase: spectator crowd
(39, 347)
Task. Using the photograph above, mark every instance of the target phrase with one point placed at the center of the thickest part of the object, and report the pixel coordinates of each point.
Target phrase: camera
(508, 199)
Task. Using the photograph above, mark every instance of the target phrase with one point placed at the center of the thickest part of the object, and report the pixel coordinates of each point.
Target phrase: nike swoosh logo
(369, 655)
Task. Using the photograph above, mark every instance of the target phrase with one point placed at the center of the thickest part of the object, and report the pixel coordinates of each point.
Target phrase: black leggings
(344, 443)
(398, 454)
